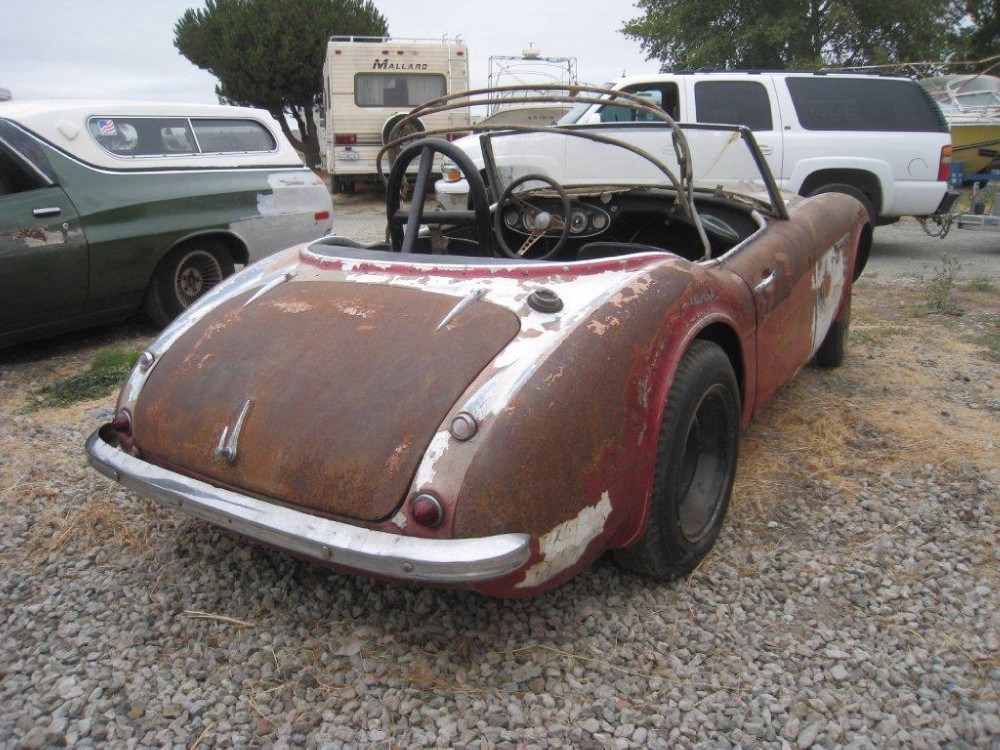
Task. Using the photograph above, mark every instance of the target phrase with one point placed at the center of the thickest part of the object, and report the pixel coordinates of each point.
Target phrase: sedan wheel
(198, 271)
(184, 275)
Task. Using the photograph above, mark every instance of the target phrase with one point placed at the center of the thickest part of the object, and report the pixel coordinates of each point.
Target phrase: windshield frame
(682, 181)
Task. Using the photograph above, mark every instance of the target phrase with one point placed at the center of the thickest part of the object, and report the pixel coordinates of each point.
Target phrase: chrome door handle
(765, 282)
(48, 211)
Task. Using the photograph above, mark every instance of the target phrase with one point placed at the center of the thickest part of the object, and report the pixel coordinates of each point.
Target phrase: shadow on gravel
(77, 341)
(258, 584)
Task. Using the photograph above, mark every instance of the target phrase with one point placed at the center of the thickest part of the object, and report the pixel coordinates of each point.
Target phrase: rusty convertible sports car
(495, 396)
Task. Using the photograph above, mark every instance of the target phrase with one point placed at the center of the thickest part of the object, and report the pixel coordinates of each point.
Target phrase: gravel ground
(855, 610)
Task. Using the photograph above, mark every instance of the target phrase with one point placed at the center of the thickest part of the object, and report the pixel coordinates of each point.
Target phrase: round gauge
(578, 221)
(599, 221)
(529, 222)
(510, 218)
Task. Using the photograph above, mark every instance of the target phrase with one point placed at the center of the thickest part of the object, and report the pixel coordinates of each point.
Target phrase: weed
(874, 333)
(991, 342)
(108, 371)
(939, 289)
(967, 201)
(981, 284)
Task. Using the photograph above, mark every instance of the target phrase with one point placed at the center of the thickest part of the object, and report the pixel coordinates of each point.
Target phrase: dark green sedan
(108, 208)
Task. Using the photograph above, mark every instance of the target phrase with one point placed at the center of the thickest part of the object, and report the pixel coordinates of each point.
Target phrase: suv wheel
(838, 187)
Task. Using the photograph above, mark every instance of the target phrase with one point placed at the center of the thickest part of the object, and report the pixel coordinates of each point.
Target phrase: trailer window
(397, 89)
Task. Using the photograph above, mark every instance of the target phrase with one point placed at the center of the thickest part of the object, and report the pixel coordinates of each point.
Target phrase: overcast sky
(100, 49)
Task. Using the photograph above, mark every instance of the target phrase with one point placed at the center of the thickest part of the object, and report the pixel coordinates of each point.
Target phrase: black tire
(184, 275)
(695, 466)
(838, 187)
(832, 351)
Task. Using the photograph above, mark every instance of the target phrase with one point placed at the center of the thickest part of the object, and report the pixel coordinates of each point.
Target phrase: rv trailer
(370, 83)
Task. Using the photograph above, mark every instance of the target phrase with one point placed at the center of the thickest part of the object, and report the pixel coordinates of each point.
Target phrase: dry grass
(903, 398)
(102, 522)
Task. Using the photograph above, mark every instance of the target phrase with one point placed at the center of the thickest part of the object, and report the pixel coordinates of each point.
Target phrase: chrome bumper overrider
(450, 561)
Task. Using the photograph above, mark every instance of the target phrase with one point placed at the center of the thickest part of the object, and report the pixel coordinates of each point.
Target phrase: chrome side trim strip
(449, 561)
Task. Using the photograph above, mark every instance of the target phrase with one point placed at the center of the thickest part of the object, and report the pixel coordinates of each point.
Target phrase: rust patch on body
(341, 419)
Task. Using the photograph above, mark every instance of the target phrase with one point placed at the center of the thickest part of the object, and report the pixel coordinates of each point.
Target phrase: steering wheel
(543, 222)
(403, 240)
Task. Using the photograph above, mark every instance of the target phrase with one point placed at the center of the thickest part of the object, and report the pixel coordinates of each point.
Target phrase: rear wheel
(184, 275)
(695, 466)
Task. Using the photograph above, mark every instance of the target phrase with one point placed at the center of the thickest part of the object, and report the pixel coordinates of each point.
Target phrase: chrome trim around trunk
(448, 561)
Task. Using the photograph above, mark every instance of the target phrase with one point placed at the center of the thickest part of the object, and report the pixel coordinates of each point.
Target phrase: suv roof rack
(767, 71)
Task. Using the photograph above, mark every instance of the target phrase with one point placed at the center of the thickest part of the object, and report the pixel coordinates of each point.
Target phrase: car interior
(645, 205)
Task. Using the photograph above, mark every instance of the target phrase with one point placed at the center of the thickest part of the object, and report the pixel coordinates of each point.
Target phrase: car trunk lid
(340, 386)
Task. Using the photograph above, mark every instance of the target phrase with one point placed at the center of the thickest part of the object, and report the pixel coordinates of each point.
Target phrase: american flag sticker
(107, 127)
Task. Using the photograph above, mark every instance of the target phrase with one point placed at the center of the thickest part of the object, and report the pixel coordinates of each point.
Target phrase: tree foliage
(269, 53)
(788, 34)
(978, 36)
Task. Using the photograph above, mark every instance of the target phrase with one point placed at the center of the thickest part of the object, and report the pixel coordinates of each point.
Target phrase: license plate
(348, 156)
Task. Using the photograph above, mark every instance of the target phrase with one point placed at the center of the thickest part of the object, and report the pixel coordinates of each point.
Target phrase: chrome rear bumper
(446, 561)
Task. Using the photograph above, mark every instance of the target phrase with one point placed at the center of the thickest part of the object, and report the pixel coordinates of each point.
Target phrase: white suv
(878, 138)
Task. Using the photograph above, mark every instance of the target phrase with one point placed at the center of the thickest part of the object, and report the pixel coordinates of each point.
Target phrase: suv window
(856, 104)
(397, 89)
(160, 136)
(733, 103)
(663, 95)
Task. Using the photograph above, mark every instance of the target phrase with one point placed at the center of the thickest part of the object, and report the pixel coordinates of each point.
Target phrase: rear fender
(235, 244)
(569, 459)
(721, 326)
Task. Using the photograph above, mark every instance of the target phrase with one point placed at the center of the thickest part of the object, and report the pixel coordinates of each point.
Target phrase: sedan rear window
(161, 136)
(228, 136)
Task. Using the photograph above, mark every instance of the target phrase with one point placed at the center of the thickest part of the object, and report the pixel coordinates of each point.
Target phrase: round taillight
(427, 510)
(122, 422)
